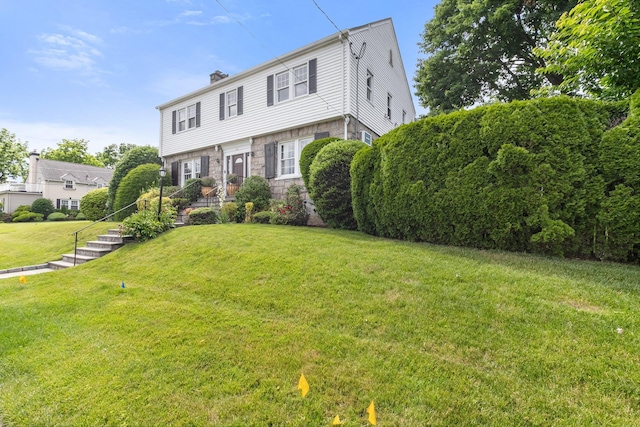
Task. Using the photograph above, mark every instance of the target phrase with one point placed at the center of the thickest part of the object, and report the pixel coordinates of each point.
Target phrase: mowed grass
(216, 324)
(30, 243)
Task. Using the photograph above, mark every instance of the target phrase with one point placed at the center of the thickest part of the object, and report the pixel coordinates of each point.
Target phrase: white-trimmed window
(232, 103)
(282, 86)
(190, 169)
(72, 204)
(186, 118)
(191, 116)
(289, 157)
(69, 184)
(300, 80)
(369, 86)
(389, 97)
(75, 204)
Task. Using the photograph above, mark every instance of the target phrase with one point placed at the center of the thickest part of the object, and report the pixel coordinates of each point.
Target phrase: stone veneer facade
(257, 160)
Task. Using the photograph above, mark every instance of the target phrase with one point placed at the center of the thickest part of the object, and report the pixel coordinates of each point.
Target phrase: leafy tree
(13, 155)
(132, 158)
(596, 47)
(483, 49)
(72, 151)
(111, 154)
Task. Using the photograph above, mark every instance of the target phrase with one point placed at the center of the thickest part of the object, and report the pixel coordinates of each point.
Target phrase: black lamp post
(163, 173)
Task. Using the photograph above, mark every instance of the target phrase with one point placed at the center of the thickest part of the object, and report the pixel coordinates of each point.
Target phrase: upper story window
(69, 184)
(231, 103)
(369, 85)
(389, 97)
(282, 86)
(300, 77)
(298, 81)
(185, 118)
(289, 157)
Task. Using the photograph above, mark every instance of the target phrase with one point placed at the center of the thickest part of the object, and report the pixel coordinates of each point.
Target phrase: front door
(237, 166)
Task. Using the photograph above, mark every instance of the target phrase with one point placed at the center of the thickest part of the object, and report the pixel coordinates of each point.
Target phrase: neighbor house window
(289, 157)
(191, 169)
(369, 85)
(69, 184)
(232, 103)
(74, 205)
(282, 86)
(300, 77)
(389, 97)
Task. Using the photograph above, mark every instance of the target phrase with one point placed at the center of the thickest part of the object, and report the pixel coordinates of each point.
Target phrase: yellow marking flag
(371, 410)
(23, 280)
(303, 385)
(336, 421)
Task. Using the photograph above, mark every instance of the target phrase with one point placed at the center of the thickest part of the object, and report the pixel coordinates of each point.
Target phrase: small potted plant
(232, 184)
(208, 186)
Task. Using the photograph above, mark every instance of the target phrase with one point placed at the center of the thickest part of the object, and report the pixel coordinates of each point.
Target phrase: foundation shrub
(256, 190)
(203, 216)
(309, 152)
(330, 183)
(56, 216)
(134, 183)
(42, 206)
(94, 204)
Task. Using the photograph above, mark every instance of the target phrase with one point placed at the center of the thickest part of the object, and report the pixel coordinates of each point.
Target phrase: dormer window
(69, 184)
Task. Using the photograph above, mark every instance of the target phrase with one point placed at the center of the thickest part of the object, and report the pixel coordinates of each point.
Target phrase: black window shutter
(270, 90)
(222, 95)
(313, 75)
(270, 160)
(197, 114)
(175, 173)
(173, 122)
(321, 135)
(57, 203)
(240, 101)
(204, 166)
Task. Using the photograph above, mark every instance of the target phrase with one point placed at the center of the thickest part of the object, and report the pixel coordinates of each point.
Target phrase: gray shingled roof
(53, 170)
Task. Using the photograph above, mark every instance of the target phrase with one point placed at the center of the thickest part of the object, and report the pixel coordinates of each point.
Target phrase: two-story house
(350, 85)
(63, 183)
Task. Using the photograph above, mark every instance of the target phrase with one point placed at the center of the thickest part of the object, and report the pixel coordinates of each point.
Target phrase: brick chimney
(217, 76)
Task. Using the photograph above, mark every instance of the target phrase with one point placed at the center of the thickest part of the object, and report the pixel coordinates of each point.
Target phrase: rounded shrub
(202, 216)
(94, 204)
(130, 160)
(228, 212)
(254, 189)
(56, 216)
(263, 217)
(137, 180)
(28, 217)
(192, 189)
(330, 183)
(309, 152)
(42, 206)
(81, 216)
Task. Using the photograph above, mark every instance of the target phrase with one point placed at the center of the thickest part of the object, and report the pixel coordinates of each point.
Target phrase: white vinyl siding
(335, 77)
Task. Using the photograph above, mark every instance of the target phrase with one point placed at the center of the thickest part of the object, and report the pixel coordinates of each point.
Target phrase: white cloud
(191, 13)
(71, 50)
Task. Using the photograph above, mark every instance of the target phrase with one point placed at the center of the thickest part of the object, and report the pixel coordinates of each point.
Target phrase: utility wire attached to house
(276, 57)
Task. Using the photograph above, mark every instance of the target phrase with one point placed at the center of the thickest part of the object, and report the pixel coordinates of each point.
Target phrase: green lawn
(30, 243)
(216, 324)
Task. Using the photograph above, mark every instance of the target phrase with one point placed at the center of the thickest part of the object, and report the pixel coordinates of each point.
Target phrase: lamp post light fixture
(163, 173)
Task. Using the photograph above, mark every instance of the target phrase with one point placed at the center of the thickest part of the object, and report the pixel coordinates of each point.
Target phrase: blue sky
(96, 69)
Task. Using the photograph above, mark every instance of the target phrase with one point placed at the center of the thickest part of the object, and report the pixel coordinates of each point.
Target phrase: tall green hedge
(135, 157)
(556, 176)
(94, 204)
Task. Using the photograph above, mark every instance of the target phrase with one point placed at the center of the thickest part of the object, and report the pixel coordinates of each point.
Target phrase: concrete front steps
(105, 244)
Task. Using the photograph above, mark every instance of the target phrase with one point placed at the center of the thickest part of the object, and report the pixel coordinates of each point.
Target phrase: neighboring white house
(61, 182)
(257, 122)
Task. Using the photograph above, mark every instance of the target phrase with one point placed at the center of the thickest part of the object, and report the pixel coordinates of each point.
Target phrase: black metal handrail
(75, 245)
